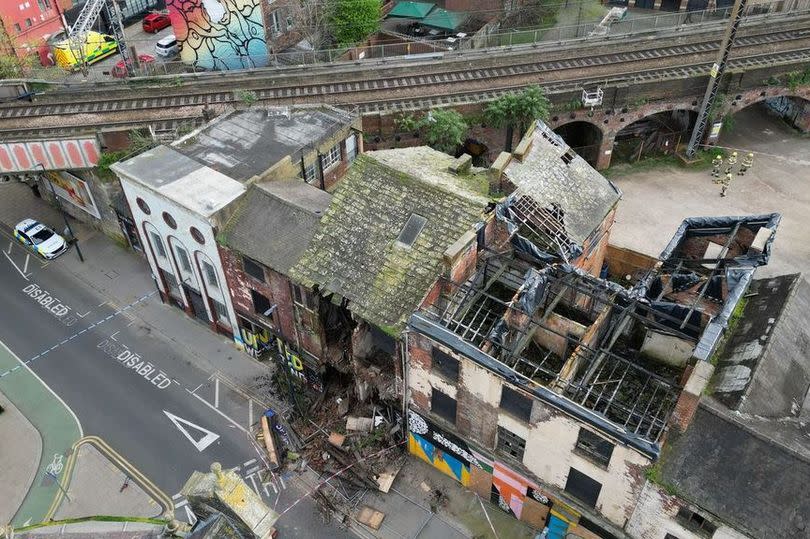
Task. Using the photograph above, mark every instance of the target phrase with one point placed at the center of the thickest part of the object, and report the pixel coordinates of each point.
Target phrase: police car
(40, 239)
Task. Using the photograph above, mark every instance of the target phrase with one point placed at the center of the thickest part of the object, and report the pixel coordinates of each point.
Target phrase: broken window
(694, 522)
(445, 365)
(411, 230)
(511, 444)
(582, 487)
(443, 405)
(261, 304)
(594, 447)
(303, 298)
(254, 269)
(516, 404)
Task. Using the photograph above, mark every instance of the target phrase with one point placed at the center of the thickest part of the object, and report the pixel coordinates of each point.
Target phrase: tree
(519, 110)
(444, 129)
(310, 20)
(352, 21)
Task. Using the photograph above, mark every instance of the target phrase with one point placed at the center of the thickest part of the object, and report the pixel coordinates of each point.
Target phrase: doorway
(197, 303)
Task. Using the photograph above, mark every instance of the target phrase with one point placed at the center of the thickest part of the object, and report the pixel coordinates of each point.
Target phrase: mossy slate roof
(354, 252)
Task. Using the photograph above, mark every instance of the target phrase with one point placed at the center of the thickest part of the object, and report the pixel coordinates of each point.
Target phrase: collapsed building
(550, 390)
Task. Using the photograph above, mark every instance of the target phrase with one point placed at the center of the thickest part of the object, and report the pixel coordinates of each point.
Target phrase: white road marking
(200, 444)
(216, 393)
(10, 247)
(250, 413)
(234, 423)
(255, 488)
(15, 267)
(82, 315)
(25, 266)
(248, 463)
(113, 336)
(177, 496)
(191, 518)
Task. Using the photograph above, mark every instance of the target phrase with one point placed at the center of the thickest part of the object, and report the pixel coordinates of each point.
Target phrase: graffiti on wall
(298, 368)
(255, 339)
(444, 451)
(509, 490)
(219, 34)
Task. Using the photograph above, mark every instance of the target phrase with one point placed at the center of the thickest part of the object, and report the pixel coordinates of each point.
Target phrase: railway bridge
(655, 78)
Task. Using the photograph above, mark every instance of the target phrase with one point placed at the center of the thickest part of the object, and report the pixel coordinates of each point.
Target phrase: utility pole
(715, 76)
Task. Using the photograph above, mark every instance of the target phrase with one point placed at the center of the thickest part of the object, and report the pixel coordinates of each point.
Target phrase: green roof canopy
(446, 20)
(411, 10)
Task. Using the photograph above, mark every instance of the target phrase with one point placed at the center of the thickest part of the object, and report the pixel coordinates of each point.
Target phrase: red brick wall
(592, 263)
(276, 289)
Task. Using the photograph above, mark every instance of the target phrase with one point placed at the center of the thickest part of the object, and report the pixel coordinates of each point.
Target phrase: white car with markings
(40, 239)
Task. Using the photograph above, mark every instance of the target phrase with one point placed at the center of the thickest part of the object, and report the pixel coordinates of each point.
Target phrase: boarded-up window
(594, 447)
(445, 365)
(443, 405)
(516, 404)
(582, 487)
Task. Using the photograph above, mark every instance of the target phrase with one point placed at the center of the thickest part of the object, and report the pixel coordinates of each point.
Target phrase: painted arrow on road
(208, 436)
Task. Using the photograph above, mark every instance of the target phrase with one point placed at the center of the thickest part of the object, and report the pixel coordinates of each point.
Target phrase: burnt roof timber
(708, 279)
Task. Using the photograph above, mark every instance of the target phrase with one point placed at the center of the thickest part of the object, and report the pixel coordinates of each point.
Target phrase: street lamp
(62, 211)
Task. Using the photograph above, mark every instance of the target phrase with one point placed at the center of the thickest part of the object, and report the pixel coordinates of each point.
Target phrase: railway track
(458, 82)
(399, 83)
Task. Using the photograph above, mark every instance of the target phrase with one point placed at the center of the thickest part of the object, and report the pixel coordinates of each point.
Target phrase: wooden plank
(370, 517)
(269, 442)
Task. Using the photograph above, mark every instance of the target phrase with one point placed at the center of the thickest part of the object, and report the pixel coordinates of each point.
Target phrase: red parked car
(154, 22)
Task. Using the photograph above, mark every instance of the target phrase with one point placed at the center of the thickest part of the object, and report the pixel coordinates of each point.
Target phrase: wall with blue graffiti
(491, 478)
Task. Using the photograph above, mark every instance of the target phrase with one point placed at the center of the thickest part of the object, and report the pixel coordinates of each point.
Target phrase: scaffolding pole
(715, 77)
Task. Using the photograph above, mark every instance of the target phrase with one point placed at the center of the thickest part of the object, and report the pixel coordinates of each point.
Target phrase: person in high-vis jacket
(717, 162)
(746, 163)
(732, 160)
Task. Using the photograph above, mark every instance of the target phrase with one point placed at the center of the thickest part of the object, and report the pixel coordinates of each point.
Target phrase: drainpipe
(405, 385)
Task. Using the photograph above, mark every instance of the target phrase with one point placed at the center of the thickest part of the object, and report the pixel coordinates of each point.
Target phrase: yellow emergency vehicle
(95, 47)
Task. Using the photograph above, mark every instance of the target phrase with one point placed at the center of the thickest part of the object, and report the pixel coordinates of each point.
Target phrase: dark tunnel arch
(585, 138)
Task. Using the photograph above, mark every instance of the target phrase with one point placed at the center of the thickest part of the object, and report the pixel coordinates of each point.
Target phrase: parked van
(95, 47)
(168, 46)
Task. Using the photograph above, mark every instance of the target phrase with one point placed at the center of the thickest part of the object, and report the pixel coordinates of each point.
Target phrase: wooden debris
(269, 442)
(363, 424)
(337, 439)
(370, 517)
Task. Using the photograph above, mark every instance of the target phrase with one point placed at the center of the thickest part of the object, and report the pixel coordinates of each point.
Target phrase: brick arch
(757, 95)
(616, 124)
(565, 119)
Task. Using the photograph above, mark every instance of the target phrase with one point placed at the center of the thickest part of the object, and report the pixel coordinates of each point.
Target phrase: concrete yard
(655, 201)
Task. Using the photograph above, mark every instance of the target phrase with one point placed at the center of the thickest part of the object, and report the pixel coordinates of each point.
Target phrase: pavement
(656, 201)
(98, 486)
(17, 467)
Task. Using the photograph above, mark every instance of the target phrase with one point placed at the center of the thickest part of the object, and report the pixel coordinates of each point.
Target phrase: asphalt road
(131, 388)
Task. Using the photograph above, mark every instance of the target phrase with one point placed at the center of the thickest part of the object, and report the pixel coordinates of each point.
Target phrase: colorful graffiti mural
(255, 340)
(219, 34)
(509, 490)
(298, 368)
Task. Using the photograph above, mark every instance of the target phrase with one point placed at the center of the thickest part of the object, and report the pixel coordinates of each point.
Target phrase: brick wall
(277, 289)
